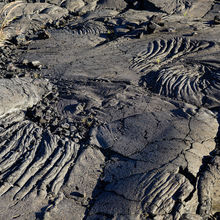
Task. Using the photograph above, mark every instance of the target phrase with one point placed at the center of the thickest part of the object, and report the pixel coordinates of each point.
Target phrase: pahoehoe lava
(109, 109)
(179, 76)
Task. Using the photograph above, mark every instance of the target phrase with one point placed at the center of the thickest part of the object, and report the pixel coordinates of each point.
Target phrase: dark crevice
(40, 215)
(192, 179)
(178, 203)
(99, 189)
(217, 216)
(144, 5)
(176, 206)
(207, 163)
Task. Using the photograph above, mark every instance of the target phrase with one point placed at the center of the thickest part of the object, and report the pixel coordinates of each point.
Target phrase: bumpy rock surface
(197, 8)
(197, 82)
(20, 94)
(109, 110)
(20, 18)
(153, 184)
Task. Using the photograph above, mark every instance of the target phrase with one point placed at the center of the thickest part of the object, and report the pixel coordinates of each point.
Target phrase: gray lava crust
(110, 109)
